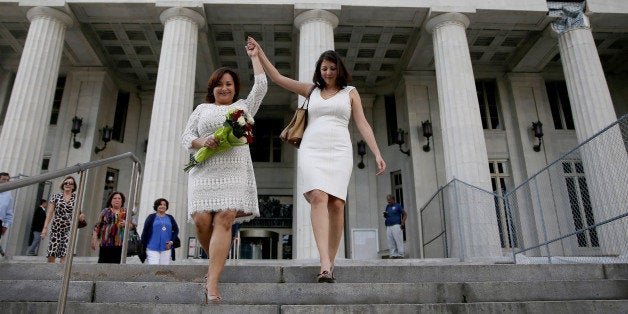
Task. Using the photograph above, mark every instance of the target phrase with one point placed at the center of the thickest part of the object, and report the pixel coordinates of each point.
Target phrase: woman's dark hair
(215, 79)
(158, 202)
(68, 177)
(343, 75)
(111, 197)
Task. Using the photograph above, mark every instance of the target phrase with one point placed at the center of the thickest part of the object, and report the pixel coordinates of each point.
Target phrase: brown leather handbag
(293, 132)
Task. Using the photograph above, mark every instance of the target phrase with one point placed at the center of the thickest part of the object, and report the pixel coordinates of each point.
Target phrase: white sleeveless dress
(325, 159)
(225, 181)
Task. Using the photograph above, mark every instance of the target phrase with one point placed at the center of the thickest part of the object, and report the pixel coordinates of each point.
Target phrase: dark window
(122, 106)
(560, 106)
(397, 188)
(500, 181)
(487, 99)
(266, 146)
(391, 118)
(580, 203)
(56, 102)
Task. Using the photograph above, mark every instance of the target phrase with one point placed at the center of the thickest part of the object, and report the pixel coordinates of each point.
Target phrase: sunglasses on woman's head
(68, 183)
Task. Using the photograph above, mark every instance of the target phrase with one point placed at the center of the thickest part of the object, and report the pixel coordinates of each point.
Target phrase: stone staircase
(375, 286)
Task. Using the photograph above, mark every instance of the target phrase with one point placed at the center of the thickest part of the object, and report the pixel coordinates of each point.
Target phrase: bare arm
(51, 209)
(295, 86)
(253, 52)
(365, 129)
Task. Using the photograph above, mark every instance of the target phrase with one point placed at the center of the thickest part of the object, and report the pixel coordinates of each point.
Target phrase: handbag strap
(307, 100)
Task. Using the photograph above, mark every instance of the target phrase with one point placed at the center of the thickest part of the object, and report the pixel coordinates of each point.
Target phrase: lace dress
(326, 155)
(225, 181)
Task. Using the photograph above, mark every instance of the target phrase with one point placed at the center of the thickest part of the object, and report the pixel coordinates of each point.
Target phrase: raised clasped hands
(251, 47)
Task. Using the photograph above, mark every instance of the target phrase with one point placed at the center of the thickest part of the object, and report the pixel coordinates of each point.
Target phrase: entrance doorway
(258, 244)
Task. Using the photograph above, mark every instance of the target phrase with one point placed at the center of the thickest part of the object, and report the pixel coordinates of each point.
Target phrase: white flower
(241, 121)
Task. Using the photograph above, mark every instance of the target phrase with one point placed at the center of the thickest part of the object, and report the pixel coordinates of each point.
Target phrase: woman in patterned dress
(109, 230)
(325, 159)
(61, 206)
(222, 189)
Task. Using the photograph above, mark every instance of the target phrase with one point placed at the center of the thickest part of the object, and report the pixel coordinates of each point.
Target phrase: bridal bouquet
(237, 130)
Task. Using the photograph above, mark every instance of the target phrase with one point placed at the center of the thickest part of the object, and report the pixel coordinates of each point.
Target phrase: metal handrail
(11, 185)
(81, 168)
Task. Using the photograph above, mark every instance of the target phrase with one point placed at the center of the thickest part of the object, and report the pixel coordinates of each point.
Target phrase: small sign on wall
(364, 244)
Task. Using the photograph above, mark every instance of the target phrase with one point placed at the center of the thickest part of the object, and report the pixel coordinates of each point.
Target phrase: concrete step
(357, 272)
(316, 293)
(585, 306)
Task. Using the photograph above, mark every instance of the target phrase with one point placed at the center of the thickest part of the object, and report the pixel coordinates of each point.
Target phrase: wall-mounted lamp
(537, 127)
(361, 152)
(399, 140)
(76, 129)
(106, 137)
(426, 126)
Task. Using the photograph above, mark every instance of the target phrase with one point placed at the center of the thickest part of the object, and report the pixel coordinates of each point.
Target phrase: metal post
(508, 223)
(129, 212)
(457, 205)
(538, 199)
(71, 246)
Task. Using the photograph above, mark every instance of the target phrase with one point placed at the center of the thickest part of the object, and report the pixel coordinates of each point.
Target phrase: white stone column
(173, 103)
(463, 139)
(604, 158)
(316, 29)
(28, 114)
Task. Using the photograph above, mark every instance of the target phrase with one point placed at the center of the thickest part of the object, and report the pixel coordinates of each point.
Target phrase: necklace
(163, 224)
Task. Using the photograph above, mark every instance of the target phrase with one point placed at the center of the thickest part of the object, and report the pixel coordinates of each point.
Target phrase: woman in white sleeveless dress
(325, 159)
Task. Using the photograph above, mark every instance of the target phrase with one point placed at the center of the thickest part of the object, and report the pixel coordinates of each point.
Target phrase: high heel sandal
(214, 299)
(325, 276)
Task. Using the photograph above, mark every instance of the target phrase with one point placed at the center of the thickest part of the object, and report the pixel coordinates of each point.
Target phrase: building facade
(480, 72)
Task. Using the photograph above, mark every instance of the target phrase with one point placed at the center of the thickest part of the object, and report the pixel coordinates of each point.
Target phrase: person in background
(325, 157)
(395, 222)
(223, 187)
(6, 208)
(62, 208)
(159, 233)
(37, 225)
(108, 232)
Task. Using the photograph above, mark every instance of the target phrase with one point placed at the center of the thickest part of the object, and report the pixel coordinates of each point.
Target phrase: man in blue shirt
(6, 208)
(395, 222)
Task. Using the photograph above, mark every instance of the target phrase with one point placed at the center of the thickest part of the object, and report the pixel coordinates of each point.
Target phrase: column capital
(568, 15)
(37, 12)
(182, 12)
(316, 15)
(454, 17)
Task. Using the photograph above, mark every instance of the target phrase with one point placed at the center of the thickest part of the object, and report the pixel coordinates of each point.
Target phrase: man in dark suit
(39, 217)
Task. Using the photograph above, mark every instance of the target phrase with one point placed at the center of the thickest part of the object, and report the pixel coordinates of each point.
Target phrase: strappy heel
(214, 299)
(325, 276)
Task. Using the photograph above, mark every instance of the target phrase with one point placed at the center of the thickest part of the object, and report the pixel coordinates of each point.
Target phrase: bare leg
(50, 259)
(319, 216)
(204, 227)
(62, 260)
(219, 245)
(336, 225)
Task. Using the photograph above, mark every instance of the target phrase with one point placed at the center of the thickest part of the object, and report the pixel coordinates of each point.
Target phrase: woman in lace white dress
(222, 189)
(325, 159)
